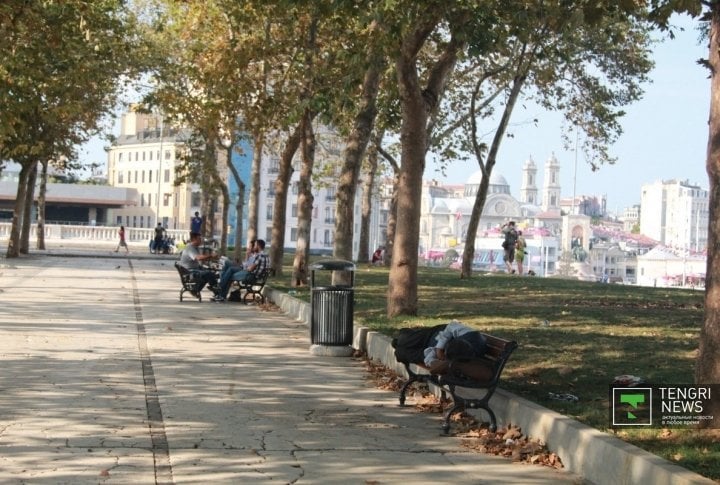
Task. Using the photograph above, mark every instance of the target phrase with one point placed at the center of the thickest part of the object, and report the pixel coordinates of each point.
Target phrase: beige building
(142, 159)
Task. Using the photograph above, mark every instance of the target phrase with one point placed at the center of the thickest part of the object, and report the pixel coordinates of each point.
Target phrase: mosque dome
(495, 179)
(498, 184)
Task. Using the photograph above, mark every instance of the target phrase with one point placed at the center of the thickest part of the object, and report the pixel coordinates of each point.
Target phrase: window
(120, 178)
(134, 224)
(143, 157)
(294, 211)
(167, 176)
(269, 213)
(149, 200)
(129, 177)
(330, 194)
(268, 235)
(168, 154)
(142, 221)
(118, 220)
(293, 234)
(150, 155)
(136, 177)
(195, 199)
(150, 175)
(166, 199)
(314, 235)
(120, 157)
(142, 200)
(326, 239)
(142, 173)
(127, 221)
(296, 188)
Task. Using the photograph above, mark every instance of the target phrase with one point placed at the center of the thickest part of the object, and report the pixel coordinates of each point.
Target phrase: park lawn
(574, 338)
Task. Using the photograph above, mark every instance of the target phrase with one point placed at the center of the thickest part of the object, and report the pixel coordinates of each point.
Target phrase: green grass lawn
(574, 337)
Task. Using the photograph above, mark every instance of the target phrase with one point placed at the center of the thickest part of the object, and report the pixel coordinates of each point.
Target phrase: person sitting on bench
(255, 264)
(434, 347)
(191, 260)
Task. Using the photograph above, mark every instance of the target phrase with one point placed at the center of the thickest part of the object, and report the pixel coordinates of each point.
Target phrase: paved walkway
(108, 378)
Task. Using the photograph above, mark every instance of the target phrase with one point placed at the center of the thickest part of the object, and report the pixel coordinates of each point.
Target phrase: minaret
(551, 184)
(528, 189)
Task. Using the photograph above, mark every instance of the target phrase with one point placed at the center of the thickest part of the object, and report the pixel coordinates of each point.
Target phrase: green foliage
(63, 63)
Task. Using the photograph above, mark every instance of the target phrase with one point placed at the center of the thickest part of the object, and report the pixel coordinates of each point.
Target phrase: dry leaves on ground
(509, 442)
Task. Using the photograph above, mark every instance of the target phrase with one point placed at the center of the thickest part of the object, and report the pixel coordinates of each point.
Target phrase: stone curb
(585, 451)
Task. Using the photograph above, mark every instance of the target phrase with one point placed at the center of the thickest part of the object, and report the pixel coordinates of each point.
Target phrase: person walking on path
(520, 252)
(122, 243)
(508, 245)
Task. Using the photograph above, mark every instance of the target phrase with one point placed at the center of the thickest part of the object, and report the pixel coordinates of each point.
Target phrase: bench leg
(181, 293)
(405, 388)
(493, 419)
(456, 407)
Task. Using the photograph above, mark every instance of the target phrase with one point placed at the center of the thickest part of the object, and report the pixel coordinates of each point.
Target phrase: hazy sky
(665, 134)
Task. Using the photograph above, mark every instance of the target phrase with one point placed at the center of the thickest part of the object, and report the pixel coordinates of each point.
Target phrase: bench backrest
(486, 368)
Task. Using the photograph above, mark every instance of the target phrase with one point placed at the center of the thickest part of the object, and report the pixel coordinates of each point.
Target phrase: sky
(664, 135)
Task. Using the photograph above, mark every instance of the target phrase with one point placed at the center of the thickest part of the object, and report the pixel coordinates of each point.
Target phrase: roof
(100, 195)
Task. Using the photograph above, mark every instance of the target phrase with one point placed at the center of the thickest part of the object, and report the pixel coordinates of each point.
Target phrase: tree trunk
(304, 204)
(40, 237)
(13, 250)
(279, 206)
(392, 210)
(707, 368)
(27, 210)
(254, 200)
(239, 208)
(367, 197)
(354, 152)
(486, 168)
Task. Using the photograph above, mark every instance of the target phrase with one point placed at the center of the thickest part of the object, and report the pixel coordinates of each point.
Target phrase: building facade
(675, 213)
(145, 157)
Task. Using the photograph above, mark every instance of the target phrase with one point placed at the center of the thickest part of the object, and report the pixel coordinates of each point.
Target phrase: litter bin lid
(333, 265)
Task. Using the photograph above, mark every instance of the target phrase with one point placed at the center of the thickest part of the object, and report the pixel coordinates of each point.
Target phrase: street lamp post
(160, 159)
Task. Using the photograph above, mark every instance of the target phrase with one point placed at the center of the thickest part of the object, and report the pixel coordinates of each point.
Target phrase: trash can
(331, 306)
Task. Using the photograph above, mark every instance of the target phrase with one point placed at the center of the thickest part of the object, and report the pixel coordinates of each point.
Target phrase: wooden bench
(187, 279)
(253, 286)
(482, 373)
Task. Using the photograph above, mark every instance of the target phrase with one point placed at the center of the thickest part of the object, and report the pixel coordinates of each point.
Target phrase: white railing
(94, 233)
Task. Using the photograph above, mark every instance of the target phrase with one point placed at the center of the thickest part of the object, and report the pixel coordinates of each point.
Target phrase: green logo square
(631, 406)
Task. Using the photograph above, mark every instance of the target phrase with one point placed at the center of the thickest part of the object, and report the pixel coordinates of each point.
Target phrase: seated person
(433, 347)
(255, 264)
(191, 259)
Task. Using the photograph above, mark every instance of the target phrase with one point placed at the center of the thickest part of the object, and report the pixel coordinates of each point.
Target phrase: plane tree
(63, 67)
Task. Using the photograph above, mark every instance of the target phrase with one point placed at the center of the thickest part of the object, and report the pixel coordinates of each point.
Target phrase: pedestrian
(159, 238)
(508, 245)
(520, 252)
(122, 243)
(196, 223)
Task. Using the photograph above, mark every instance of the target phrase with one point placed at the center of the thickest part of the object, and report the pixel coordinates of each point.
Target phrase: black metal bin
(331, 306)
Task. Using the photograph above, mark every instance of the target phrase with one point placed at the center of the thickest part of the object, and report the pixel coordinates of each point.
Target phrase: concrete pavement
(108, 378)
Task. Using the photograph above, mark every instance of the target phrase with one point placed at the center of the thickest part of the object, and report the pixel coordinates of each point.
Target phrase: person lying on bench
(434, 347)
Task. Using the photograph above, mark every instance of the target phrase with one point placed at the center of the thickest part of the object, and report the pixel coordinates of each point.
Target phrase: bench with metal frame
(482, 373)
(253, 286)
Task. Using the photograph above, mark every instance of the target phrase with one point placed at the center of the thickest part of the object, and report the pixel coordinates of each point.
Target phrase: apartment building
(675, 213)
